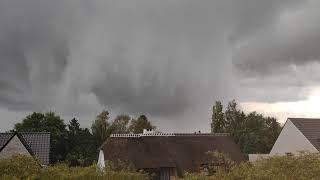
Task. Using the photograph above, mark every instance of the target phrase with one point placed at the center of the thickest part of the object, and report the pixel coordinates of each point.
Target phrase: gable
(310, 128)
(291, 140)
(37, 143)
(14, 147)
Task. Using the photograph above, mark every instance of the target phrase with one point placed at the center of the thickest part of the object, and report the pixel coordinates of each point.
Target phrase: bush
(302, 167)
(19, 167)
(22, 167)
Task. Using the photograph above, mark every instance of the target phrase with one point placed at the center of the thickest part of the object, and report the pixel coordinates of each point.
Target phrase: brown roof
(310, 128)
(184, 151)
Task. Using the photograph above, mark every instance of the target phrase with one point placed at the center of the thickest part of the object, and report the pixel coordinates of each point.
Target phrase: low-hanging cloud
(155, 57)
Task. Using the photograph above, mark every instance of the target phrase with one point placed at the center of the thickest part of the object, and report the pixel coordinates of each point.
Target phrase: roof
(184, 151)
(310, 128)
(37, 143)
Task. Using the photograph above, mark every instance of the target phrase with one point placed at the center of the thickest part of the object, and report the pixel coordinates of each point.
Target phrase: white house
(298, 134)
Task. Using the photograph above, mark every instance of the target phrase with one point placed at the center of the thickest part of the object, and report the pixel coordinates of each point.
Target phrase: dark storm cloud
(282, 59)
(32, 53)
(292, 40)
(157, 57)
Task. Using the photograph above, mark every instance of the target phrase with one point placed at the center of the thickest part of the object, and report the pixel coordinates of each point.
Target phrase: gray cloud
(161, 58)
(283, 59)
(292, 40)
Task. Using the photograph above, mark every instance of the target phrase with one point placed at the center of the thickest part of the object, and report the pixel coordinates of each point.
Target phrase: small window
(289, 154)
(204, 169)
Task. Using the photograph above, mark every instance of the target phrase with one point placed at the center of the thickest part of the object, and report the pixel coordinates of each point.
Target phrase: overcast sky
(168, 59)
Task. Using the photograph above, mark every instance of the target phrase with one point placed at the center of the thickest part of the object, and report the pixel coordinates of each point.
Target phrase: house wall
(255, 157)
(291, 140)
(14, 147)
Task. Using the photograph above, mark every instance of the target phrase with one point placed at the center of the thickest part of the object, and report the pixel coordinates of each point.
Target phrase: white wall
(291, 140)
(255, 157)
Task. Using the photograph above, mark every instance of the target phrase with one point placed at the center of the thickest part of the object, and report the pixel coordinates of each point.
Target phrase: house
(35, 144)
(298, 134)
(167, 155)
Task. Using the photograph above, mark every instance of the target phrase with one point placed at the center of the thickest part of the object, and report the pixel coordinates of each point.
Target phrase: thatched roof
(186, 152)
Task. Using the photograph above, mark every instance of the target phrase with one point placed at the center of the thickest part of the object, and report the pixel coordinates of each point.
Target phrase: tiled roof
(310, 128)
(37, 143)
(4, 138)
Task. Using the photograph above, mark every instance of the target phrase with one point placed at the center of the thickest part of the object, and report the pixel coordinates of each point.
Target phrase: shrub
(19, 167)
(23, 167)
(301, 167)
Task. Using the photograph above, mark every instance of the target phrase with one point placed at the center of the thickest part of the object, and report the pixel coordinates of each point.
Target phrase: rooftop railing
(168, 134)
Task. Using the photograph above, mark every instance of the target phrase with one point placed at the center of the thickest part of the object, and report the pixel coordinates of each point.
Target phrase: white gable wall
(291, 140)
(14, 147)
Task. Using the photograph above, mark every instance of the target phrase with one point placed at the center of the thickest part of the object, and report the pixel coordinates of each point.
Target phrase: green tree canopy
(81, 146)
(100, 127)
(141, 123)
(254, 132)
(47, 122)
(218, 122)
(120, 124)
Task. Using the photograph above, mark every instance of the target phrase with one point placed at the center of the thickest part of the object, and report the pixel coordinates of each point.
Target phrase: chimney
(148, 131)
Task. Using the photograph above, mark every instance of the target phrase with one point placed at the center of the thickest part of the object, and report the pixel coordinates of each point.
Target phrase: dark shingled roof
(186, 152)
(37, 143)
(310, 128)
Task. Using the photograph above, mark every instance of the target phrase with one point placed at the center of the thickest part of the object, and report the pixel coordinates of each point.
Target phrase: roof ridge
(305, 118)
(22, 132)
(167, 134)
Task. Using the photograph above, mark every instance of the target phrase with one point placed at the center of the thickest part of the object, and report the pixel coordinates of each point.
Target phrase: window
(204, 169)
(289, 154)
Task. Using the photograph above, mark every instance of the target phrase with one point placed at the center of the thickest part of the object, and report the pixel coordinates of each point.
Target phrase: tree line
(254, 132)
(76, 145)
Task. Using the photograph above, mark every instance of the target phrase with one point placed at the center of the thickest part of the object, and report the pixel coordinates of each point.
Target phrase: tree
(74, 126)
(141, 123)
(254, 132)
(273, 130)
(234, 119)
(218, 121)
(81, 147)
(100, 127)
(47, 122)
(120, 124)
